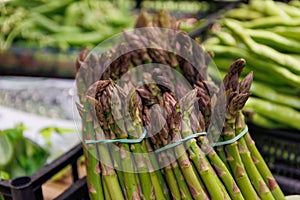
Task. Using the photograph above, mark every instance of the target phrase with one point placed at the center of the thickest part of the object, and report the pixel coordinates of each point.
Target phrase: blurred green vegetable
(266, 35)
(21, 156)
(6, 149)
(62, 24)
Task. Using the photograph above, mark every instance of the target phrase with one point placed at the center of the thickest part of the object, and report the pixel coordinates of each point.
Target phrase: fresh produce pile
(192, 169)
(61, 24)
(266, 34)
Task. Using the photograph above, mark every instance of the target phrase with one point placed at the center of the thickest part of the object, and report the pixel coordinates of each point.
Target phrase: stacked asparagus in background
(190, 170)
(266, 34)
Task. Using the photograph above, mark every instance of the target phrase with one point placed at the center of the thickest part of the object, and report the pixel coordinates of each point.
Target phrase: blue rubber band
(127, 141)
(179, 142)
(134, 141)
(236, 138)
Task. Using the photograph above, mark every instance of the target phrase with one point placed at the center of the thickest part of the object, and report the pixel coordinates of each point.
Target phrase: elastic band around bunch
(236, 138)
(134, 141)
(179, 142)
(126, 141)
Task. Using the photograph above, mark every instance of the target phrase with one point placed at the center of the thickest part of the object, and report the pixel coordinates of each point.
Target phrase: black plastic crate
(30, 187)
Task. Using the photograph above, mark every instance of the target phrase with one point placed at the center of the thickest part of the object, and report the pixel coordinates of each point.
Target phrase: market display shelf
(279, 148)
(22, 61)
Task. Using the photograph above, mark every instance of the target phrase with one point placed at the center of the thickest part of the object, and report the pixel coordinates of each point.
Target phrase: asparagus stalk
(184, 190)
(220, 150)
(136, 132)
(220, 166)
(239, 93)
(159, 186)
(158, 173)
(132, 189)
(92, 163)
(108, 172)
(235, 103)
(117, 166)
(224, 174)
(181, 182)
(105, 190)
(199, 178)
(163, 159)
(201, 164)
(262, 166)
(133, 132)
(182, 185)
(254, 175)
(184, 162)
(92, 131)
(240, 175)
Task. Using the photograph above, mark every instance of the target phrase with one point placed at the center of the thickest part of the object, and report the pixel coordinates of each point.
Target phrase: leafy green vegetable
(6, 150)
(21, 155)
(4, 175)
(48, 131)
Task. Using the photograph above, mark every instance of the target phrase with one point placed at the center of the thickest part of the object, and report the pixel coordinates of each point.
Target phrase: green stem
(237, 167)
(254, 175)
(92, 163)
(105, 190)
(93, 176)
(148, 177)
(117, 166)
(117, 125)
(224, 174)
(171, 180)
(263, 168)
(109, 175)
(157, 177)
(200, 162)
(183, 188)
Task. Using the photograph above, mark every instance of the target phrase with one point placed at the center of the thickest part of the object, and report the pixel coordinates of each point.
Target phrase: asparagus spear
(217, 160)
(255, 176)
(182, 190)
(260, 164)
(182, 185)
(105, 190)
(236, 102)
(158, 182)
(163, 159)
(135, 131)
(198, 157)
(158, 173)
(107, 170)
(121, 122)
(184, 162)
(119, 130)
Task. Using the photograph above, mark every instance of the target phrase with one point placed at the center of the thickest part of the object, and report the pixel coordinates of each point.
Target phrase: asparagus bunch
(151, 168)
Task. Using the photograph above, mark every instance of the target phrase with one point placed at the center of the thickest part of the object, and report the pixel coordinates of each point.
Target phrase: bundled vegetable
(147, 137)
(265, 34)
